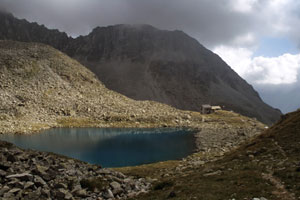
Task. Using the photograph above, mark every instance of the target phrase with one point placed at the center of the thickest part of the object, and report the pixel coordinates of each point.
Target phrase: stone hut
(206, 109)
(215, 108)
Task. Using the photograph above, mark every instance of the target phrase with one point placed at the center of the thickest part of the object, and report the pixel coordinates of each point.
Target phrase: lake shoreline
(219, 132)
(111, 147)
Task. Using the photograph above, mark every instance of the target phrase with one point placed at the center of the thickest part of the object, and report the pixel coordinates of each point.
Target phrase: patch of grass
(162, 185)
(231, 118)
(154, 170)
(38, 126)
(76, 122)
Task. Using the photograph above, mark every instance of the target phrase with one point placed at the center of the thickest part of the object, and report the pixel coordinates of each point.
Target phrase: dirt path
(280, 190)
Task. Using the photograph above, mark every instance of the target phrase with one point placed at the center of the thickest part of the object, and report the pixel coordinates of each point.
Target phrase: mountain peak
(127, 27)
(145, 63)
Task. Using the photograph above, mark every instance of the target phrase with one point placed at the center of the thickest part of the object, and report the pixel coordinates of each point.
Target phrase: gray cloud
(284, 96)
(281, 96)
(211, 21)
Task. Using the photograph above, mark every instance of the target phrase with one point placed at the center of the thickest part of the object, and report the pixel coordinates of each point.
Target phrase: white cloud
(243, 6)
(239, 59)
(248, 39)
(277, 70)
(261, 70)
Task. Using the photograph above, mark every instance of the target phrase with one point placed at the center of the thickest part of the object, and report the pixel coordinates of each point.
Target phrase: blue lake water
(111, 147)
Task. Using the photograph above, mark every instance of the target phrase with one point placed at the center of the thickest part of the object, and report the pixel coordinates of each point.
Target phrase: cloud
(277, 70)
(244, 6)
(283, 69)
(238, 58)
(211, 21)
(277, 79)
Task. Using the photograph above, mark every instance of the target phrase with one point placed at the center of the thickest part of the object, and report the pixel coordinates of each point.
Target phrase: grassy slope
(268, 166)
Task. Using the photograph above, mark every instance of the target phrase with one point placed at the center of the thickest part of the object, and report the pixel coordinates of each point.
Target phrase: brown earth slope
(145, 63)
(267, 166)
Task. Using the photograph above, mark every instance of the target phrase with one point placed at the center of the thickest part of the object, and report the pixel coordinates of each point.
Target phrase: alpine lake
(111, 147)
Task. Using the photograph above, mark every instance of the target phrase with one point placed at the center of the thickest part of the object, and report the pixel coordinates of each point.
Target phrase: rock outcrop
(28, 174)
(145, 63)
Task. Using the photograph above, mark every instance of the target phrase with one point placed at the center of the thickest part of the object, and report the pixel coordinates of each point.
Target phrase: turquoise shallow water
(111, 147)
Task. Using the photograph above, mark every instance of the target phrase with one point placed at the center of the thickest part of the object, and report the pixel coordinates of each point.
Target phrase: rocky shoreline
(29, 174)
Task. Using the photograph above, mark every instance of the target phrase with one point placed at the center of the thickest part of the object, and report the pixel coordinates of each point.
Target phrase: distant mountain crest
(145, 63)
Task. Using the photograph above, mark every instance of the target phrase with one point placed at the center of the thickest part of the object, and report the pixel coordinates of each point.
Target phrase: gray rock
(40, 170)
(28, 184)
(109, 194)
(68, 196)
(218, 172)
(76, 188)
(60, 185)
(116, 188)
(14, 190)
(23, 176)
(200, 162)
(11, 158)
(16, 183)
(39, 182)
(2, 173)
(45, 192)
(9, 196)
(115, 185)
(4, 190)
(80, 193)
(61, 193)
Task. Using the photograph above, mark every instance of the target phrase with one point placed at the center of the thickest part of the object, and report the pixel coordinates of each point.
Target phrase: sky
(259, 39)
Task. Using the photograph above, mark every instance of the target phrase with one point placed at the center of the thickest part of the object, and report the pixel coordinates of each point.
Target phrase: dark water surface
(111, 147)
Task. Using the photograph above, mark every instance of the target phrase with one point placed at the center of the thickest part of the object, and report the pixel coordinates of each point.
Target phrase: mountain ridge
(146, 63)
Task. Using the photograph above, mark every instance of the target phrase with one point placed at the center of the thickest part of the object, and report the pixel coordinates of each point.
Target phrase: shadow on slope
(268, 166)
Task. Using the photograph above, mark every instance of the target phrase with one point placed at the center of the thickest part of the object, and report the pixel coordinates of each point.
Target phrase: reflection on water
(111, 147)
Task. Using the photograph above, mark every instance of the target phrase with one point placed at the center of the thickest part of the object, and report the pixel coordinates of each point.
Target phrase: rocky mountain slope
(266, 167)
(145, 63)
(41, 87)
